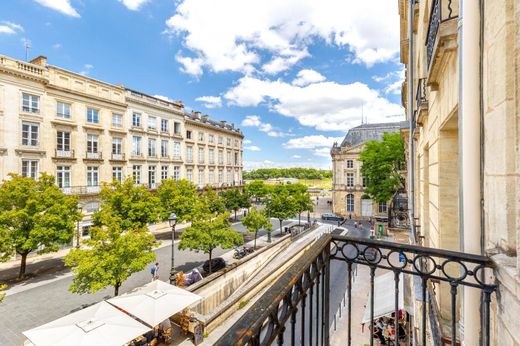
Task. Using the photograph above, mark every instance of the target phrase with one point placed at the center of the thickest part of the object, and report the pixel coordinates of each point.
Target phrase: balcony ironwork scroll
(436, 18)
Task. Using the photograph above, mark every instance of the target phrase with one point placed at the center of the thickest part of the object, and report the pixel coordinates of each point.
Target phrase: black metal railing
(437, 16)
(307, 282)
(420, 96)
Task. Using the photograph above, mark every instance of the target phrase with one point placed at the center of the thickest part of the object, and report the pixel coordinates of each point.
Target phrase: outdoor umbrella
(100, 324)
(155, 301)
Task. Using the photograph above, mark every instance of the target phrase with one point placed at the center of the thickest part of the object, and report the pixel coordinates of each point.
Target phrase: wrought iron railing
(300, 296)
(437, 16)
(420, 96)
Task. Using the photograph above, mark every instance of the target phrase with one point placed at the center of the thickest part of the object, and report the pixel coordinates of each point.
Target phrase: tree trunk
(210, 253)
(23, 265)
(116, 289)
(281, 229)
(299, 216)
(254, 247)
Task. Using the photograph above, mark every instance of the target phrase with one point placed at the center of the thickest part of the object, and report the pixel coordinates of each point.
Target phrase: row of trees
(298, 173)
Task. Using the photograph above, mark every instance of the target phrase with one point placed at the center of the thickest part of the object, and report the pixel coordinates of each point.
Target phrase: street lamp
(172, 219)
(78, 235)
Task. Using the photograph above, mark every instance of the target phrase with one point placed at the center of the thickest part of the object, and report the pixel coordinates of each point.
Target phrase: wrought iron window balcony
(118, 156)
(90, 155)
(295, 309)
(64, 154)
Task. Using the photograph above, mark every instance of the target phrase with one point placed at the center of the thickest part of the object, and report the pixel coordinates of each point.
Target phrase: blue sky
(294, 75)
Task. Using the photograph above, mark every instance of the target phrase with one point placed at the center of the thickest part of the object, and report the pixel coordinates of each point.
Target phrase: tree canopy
(35, 215)
(255, 221)
(213, 201)
(281, 206)
(382, 162)
(178, 196)
(234, 199)
(257, 189)
(302, 202)
(298, 173)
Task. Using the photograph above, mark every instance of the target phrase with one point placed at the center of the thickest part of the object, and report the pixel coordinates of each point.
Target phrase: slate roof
(368, 132)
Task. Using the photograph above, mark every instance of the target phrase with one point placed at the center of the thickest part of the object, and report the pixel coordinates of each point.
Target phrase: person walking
(155, 272)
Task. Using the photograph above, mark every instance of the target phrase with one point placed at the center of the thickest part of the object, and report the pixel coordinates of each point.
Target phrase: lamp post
(172, 219)
(78, 235)
(269, 216)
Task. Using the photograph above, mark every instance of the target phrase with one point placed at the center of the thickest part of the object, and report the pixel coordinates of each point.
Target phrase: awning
(384, 296)
(100, 324)
(155, 301)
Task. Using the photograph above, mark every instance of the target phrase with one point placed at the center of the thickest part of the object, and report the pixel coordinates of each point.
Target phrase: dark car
(216, 264)
(331, 217)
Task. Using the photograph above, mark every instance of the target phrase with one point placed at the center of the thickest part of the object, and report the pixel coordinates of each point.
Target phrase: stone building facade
(467, 162)
(348, 184)
(86, 132)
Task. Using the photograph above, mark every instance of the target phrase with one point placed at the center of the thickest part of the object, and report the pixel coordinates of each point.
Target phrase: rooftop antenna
(362, 118)
(27, 45)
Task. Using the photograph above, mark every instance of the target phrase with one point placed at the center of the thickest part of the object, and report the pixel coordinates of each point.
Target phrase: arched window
(350, 202)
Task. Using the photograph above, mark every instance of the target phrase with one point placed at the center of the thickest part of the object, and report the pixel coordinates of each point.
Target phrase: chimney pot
(40, 60)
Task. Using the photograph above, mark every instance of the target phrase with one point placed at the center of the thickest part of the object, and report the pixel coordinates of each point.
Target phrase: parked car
(331, 217)
(216, 264)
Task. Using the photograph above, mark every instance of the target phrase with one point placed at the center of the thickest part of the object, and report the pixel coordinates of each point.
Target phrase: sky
(294, 75)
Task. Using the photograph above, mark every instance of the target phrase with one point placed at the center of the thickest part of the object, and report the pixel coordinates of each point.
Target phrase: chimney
(223, 122)
(41, 61)
(233, 125)
(197, 114)
(205, 117)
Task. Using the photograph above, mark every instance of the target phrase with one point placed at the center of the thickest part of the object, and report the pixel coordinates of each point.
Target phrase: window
(176, 150)
(151, 176)
(117, 174)
(92, 143)
(228, 177)
(63, 176)
(228, 142)
(177, 128)
(350, 202)
(117, 145)
(136, 146)
(211, 156)
(228, 156)
(30, 168)
(189, 154)
(189, 175)
(164, 148)
(220, 176)
(382, 207)
(136, 174)
(220, 157)
(236, 159)
(201, 155)
(63, 110)
(117, 120)
(201, 177)
(220, 140)
(236, 142)
(152, 123)
(136, 119)
(201, 136)
(30, 103)
(211, 138)
(350, 164)
(350, 180)
(92, 176)
(176, 172)
(30, 134)
(164, 172)
(188, 134)
(63, 141)
(212, 176)
(92, 116)
(164, 125)
(152, 147)
(92, 207)
(365, 181)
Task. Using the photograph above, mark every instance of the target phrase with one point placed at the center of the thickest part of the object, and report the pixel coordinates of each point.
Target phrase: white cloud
(252, 148)
(134, 5)
(237, 35)
(210, 101)
(191, 66)
(323, 152)
(327, 106)
(247, 141)
(10, 28)
(86, 69)
(56, 45)
(296, 157)
(306, 77)
(62, 6)
(164, 98)
(270, 130)
(393, 80)
(311, 142)
(251, 165)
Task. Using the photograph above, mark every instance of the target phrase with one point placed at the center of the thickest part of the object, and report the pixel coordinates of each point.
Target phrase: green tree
(35, 215)
(132, 206)
(234, 199)
(178, 196)
(255, 221)
(207, 232)
(382, 162)
(257, 189)
(281, 206)
(302, 202)
(214, 202)
(112, 254)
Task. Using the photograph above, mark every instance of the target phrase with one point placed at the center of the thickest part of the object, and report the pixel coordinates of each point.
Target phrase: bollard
(334, 322)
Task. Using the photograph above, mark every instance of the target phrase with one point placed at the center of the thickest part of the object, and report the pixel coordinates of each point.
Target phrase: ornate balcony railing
(420, 96)
(441, 11)
(300, 296)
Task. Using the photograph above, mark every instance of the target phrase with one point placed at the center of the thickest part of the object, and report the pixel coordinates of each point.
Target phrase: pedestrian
(355, 224)
(350, 216)
(155, 271)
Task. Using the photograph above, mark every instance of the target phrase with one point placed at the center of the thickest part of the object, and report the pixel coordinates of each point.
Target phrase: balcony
(90, 155)
(64, 154)
(81, 190)
(421, 102)
(441, 39)
(118, 157)
(296, 308)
